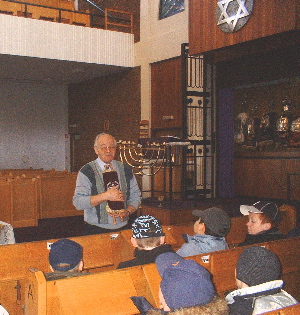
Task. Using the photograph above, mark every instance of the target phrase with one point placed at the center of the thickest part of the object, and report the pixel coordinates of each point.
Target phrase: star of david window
(170, 7)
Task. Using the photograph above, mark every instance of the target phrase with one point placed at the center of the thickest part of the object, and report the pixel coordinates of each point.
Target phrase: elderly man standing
(99, 192)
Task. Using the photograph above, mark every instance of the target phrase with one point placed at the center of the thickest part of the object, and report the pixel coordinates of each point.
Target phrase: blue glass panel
(170, 7)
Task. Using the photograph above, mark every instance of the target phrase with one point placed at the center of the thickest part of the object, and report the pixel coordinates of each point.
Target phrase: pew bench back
(289, 310)
(100, 252)
(94, 294)
(116, 286)
(238, 228)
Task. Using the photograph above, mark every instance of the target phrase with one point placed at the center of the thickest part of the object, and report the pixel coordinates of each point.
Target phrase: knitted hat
(184, 283)
(215, 219)
(65, 255)
(257, 265)
(270, 209)
(146, 226)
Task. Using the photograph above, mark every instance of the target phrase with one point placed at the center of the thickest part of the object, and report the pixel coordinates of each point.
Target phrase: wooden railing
(63, 11)
(116, 19)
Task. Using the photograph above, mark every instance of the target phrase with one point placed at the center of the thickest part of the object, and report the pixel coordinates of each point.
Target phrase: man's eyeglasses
(107, 147)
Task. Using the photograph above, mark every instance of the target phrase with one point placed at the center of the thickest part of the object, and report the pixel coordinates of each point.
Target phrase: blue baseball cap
(65, 255)
(184, 283)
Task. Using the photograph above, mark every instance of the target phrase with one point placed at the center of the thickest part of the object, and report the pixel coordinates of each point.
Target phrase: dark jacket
(143, 257)
(266, 236)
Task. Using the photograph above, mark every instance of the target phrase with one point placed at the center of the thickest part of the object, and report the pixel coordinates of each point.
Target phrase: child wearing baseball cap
(148, 239)
(65, 259)
(185, 288)
(262, 225)
(258, 281)
(210, 229)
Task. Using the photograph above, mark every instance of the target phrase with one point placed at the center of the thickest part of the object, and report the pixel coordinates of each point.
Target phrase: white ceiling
(47, 71)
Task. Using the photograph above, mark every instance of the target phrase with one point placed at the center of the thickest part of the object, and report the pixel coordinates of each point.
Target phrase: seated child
(210, 229)
(185, 288)
(262, 225)
(259, 288)
(148, 239)
(65, 258)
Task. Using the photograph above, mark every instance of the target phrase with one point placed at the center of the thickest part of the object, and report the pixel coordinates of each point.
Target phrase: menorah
(151, 157)
(147, 160)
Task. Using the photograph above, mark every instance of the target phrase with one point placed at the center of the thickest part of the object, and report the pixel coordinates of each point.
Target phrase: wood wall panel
(264, 174)
(115, 98)
(166, 94)
(269, 17)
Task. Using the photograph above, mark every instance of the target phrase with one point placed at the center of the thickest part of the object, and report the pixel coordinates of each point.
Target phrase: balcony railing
(63, 12)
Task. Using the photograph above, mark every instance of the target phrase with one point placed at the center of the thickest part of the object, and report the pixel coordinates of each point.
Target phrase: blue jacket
(201, 244)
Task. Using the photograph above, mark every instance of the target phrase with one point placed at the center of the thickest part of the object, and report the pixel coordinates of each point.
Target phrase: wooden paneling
(269, 17)
(115, 98)
(166, 94)
(56, 194)
(24, 202)
(264, 174)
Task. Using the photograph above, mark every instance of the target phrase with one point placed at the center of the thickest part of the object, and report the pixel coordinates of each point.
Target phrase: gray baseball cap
(216, 219)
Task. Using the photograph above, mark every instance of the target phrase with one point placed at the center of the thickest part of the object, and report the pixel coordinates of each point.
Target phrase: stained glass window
(170, 7)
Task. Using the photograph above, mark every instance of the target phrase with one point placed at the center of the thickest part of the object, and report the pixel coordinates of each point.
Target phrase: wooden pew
(100, 253)
(29, 195)
(101, 293)
(145, 280)
(170, 239)
(238, 228)
(6, 207)
(222, 264)
(236, 235)
(19, 201)
(25, 202)
(289, 310)
(140, 277)
(288, 251)
(289, 218)
(56, 194)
